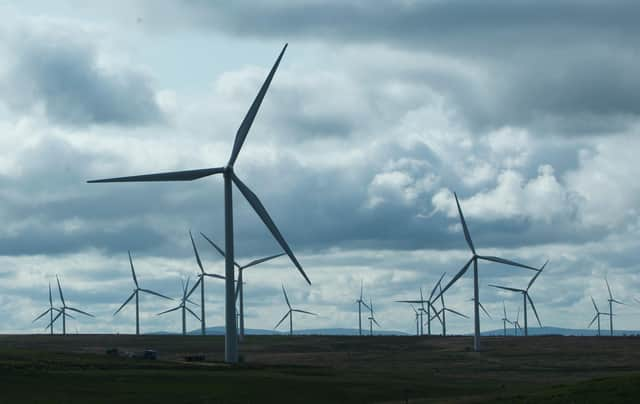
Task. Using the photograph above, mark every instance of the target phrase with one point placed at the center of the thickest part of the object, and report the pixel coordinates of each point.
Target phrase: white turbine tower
(417, 320)
(526, 296)
(361, 303)
(597, 316)
(474, 259)
(290, 313)
(183, 307)
(136, 294)
(200, 282)
(443, 312)
(49, 311)
(240, 282)
(611, 302)
(62, 311)
(231, 339)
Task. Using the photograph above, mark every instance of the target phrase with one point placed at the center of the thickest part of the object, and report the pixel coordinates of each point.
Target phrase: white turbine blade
(536, 275)
(80, 311)
(506, 262)
(68, 315)
(484, 310)
(533, 306)
(191, 301)
(50, 298)
(195, 285)
(266, 219)
(455, 312)
(618, 301)
(365, 305)
(507, 288)
(60, 290)
(215, 276)
(170, 310)
(594, 305)
(455, 278)
(436, 314)
(504, 309)
(594, 320)
(54, 320)
(436, 286)
(414, 309)
(608, 288)
(261, 260)
(305, 312)
(361, 290)
(41, 315)
(285, 297)
(155, 293)
(283, 318)
(467, 236)
(220, 250)
(195, 251)
(409, 301)
(133, 272)
(192, 313)
(243, 130)
(186, 175)
(375, 322)
(125, 303)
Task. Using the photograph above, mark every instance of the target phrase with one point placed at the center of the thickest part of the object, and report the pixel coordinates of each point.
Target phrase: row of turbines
(234, 324)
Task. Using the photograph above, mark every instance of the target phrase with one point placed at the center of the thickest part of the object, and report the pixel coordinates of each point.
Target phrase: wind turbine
(136, 294)
(526, 296)
(231, 340)
(422, 309)
(200, 282)
(516, 324)
(474, 259)
(290, 313)
(444, 311)
(417, 320)
(372, 318)
(486, 313)
(611, 302)
(183, 306)
(361, 303)
(597, 316)
(240, 284)
(50, 311)
(505, 320)
(62, 311)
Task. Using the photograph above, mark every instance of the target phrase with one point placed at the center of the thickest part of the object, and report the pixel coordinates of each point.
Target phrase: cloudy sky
(529, 110)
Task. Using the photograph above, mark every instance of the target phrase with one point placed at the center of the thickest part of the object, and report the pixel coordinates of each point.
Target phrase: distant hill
(318, 331)
(561, 331)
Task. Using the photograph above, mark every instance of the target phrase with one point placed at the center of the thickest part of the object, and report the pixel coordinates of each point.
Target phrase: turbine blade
(361, 290)
(617, 301)
(593, 321)
(536, 275)
(285, 297)
(608, 288)
(366, 305)
(455, 278)
(192, 302)
(192, 313)
(243, 130)
(533, 306)
(283, 318)
(407, 301)
(261, 260)
(54, 320)
(50, 299)
(594, 305)
(125, 303)
(506, 262)
(60, 290)
(507, 288)
(266, 219)
(41, 315)
(436, 314)
(305, 312)
(457, 313)
(68, 315)
(133, 272)
(170, 310)
(155, 293)
(375, 322)
(467, 236)
(220, 250)
(215, 276)
(195, 251)
(186, 175)
(193, 288)
(436, 286)
(484, 310)
(80, 311)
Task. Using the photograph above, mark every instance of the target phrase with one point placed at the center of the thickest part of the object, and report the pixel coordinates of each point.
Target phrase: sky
(529, 110)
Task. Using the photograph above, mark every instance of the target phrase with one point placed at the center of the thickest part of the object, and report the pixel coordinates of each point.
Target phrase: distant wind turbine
(526, 296)
(49, 311)
(290, 313)
(372, 318)
(183, 307)
(443, 312)
(231, 338)
(136, 294)
(62, 311)
(361, 303)
(611, 302)
(417, 320)
(240, 282)
(474, 259)
(597, 316)
(422, 310)
(505, 320)
(516, 324)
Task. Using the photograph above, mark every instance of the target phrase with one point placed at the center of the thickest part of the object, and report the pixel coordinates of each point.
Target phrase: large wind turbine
(136, 294)
(240, 283)
(361, 303)
(526, 296)
(611, 302)
(474, 259)
(443, 312)
(597, 316)
(62, 311)
(290, 313)
(200, 282)
(231, 340)
(50, 311)
(183, 307)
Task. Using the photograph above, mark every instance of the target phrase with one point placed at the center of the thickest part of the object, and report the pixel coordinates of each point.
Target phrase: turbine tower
(231, 340)
(372, 319)
(474, 259)
(240, 283)
(422, 309)
(136, 294)
(443, 312)
(290, 313)
(183, 307)
(62, 311)
(526, 296)
(516, 324)
(417, 320)
(49, 311)
(611, 302)
(200, 282)
(504, 319)
(361, 303)
(597, 316)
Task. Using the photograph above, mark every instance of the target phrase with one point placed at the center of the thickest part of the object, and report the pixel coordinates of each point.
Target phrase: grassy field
(320, 369)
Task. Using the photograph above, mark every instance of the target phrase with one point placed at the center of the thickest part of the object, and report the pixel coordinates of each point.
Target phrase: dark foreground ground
(322, 369)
